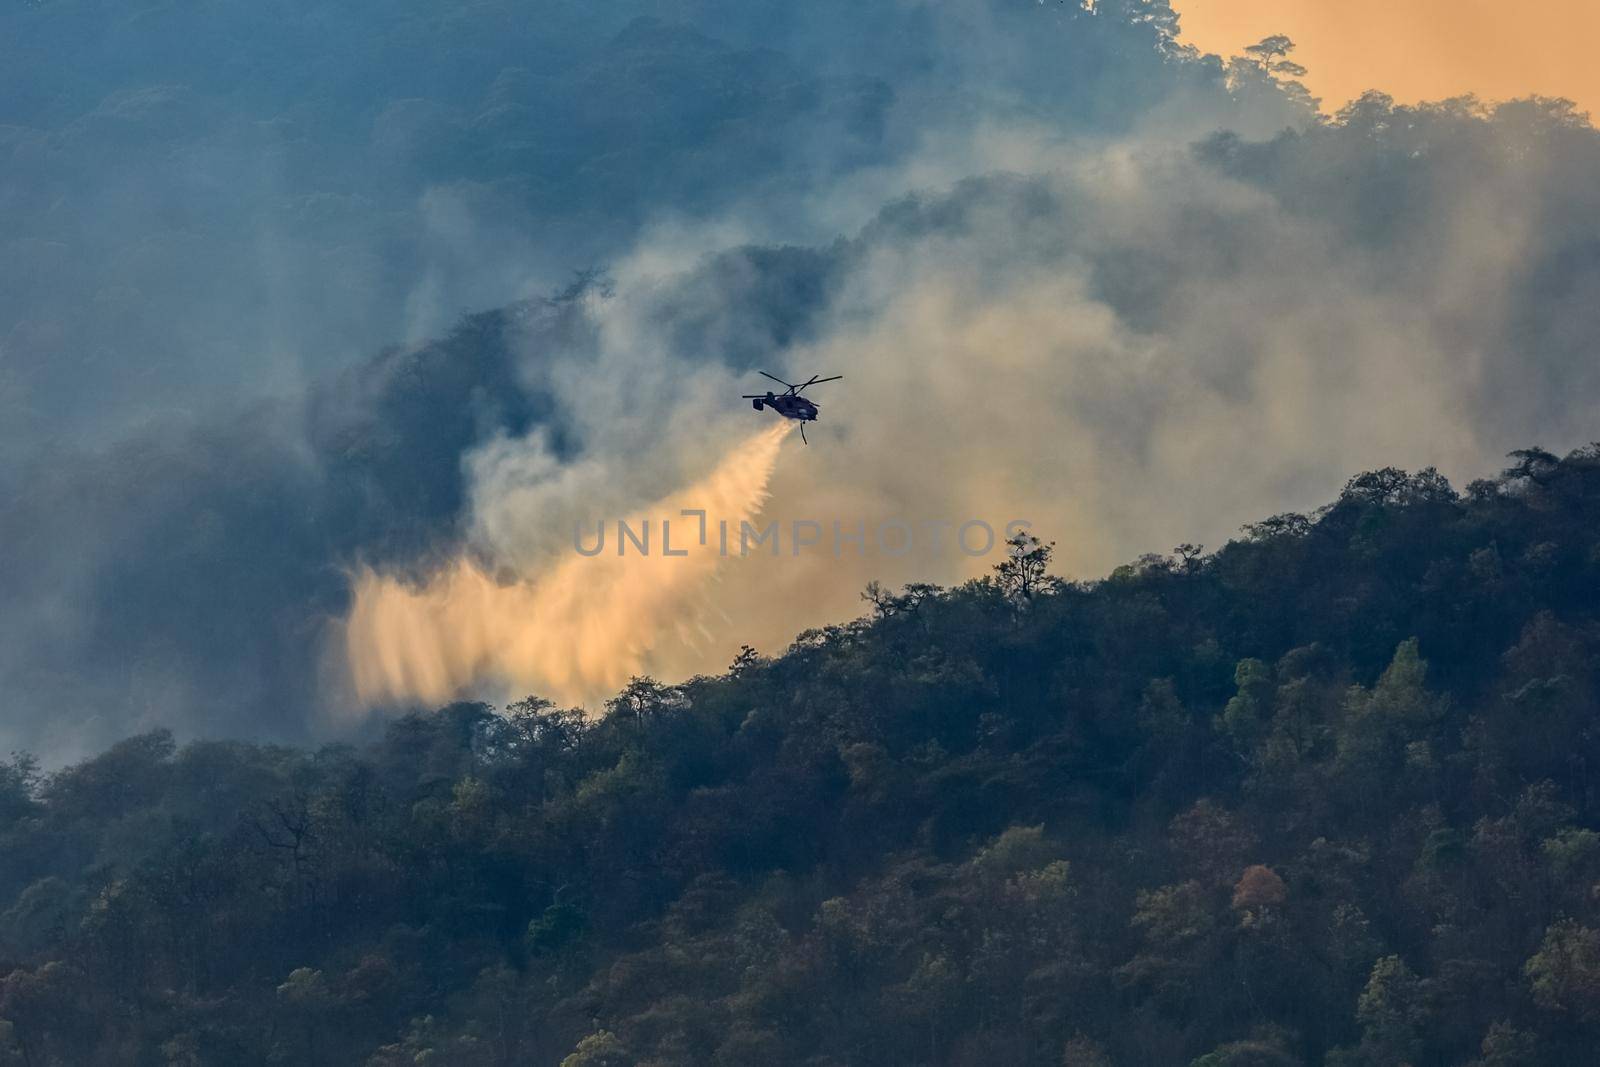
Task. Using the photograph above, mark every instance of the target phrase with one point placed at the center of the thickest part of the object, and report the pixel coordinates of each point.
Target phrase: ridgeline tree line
(1326, 795)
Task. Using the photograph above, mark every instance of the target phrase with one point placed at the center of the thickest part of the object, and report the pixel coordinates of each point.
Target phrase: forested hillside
(1325, 795)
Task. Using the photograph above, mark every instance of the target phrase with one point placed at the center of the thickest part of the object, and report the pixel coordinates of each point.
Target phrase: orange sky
(1418, 49)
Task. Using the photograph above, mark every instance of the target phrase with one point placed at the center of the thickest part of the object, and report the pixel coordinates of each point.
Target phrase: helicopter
(791, 405)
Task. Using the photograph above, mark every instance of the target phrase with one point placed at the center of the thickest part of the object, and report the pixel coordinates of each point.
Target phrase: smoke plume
(577, 629)
(1055, 292)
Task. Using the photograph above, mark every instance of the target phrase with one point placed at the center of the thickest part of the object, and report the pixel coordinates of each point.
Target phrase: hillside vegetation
(1323, 796)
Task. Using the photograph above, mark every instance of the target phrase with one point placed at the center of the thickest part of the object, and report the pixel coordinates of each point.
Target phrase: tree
(1273, 52)
(1390, 1011)
(645, 699)
(1259, 891)
(1212, 841)
(1533, 465)
(1265, 1049)
(1019, 848)
(1246, 715)
(309, 1001)
(746, 660)
(1565, 973)
(1268, 61)
(600, 1049)
(1506, 1046)
(1022, 574)
(1385, 744)
(19, 785)
(687, 880)
(1287, 525)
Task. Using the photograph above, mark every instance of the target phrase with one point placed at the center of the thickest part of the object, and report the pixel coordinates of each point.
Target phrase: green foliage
(1324, 796)
(1021, 848)
(1565, 972)
(599, 1049)
(1265, 1049)
(1390, 1011)
(1244, 719)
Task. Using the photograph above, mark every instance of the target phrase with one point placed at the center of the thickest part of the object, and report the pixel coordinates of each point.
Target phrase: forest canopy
(1323, 795)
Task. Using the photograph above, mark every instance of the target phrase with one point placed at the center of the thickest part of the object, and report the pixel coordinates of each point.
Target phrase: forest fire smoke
(573, 632)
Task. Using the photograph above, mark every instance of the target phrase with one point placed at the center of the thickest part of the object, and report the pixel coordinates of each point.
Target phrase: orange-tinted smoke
(572, 633)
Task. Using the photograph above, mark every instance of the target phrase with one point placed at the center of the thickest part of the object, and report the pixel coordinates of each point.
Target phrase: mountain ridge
(1342, 761)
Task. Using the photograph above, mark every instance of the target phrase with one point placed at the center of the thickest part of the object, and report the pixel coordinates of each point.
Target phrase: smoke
(576, 629)
(180, 233)
(987, 215)
(1128, 348)
(195, 452)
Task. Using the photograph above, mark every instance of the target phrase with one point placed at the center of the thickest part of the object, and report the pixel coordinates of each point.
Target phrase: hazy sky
(1417, 49)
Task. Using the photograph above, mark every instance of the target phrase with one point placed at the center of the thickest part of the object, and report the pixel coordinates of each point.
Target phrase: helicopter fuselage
(789, 406)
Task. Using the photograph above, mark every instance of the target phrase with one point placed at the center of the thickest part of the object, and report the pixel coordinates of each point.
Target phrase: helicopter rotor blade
(819, 381)
(775, 378)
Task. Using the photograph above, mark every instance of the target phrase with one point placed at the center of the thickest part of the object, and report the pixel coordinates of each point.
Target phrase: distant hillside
(1324, 796)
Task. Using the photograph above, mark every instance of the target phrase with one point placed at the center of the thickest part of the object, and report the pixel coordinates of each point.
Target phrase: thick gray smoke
(1057, 293)
(207, 203)
(1129, 348)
